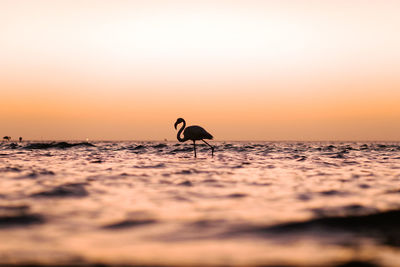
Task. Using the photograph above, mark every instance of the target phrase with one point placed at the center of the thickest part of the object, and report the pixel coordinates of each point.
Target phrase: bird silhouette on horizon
(193, 133)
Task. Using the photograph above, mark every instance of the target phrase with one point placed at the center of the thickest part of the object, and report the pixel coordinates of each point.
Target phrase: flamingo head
(179, 120)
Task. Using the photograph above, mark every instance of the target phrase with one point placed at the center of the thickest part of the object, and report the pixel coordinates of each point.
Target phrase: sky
(244, 70)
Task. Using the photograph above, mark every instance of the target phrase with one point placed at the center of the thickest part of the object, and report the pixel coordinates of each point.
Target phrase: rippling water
(151, 203)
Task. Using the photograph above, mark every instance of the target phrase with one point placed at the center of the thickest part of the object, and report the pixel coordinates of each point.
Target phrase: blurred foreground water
(151, 203)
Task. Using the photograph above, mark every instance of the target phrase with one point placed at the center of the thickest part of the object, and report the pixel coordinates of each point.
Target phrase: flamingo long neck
(180, 131)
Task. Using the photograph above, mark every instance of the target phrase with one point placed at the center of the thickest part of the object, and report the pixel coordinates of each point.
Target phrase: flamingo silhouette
(8, 138)
(193, 133)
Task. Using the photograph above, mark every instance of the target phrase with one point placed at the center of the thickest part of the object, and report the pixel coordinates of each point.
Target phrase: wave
(61, 145)
(383, 227)
(65, 190)
(15, 216)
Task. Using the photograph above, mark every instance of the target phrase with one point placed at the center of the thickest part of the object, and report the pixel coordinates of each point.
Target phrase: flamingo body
(196, 133)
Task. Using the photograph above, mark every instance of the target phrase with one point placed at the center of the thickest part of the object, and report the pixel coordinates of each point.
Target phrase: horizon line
(162, 140)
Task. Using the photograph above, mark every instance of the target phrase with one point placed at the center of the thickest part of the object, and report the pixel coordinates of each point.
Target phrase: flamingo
(8, 138)
(193, 133)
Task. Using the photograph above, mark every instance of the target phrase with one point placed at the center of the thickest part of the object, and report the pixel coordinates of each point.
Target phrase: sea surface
(152, 203)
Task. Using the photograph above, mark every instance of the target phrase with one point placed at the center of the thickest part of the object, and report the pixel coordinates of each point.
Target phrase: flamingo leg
(194, 148)
(212, 148)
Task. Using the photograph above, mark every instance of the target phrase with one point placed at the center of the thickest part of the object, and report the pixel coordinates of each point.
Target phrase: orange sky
(245, 70)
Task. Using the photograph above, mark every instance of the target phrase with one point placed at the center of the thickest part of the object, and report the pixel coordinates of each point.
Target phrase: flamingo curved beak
(176, 124)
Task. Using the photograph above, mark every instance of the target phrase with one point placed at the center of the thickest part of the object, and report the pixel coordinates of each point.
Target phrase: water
(152, 203)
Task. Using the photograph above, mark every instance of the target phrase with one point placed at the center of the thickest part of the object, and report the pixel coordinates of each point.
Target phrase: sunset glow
(246, 70)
